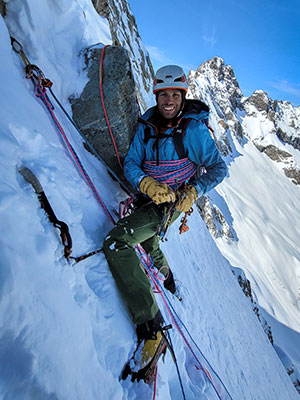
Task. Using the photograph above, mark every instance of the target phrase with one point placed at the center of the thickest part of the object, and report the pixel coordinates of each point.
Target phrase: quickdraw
(166, 221)
(183, 227)
(31, 70)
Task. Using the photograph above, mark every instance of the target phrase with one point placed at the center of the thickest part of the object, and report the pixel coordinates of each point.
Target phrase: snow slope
(65, 333)
(259, 202)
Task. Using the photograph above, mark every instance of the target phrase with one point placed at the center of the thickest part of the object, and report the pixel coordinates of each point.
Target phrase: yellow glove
(158, 192)
(186, 198)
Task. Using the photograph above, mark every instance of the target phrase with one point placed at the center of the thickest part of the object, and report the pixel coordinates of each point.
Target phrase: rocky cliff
(270, 129)
(2, 8)
(270, 124)
(232, 114)
(125, 33)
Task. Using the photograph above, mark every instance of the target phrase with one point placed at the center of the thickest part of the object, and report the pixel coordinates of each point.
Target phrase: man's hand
(186, 198)
(158, 192)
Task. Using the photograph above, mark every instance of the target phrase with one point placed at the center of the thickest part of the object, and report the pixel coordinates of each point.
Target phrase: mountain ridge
(66, 324)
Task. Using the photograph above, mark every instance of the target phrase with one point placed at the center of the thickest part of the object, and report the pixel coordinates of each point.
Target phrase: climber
(172, 135)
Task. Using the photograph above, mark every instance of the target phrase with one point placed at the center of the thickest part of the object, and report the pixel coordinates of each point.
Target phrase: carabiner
(17, 47)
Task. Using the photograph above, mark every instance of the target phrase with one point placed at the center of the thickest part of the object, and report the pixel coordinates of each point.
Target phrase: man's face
(169, 102)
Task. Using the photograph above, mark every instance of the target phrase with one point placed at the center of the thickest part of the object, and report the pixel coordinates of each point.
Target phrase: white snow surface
(65, 333)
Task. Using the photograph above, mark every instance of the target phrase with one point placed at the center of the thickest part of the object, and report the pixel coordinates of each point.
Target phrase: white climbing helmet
(170, 77)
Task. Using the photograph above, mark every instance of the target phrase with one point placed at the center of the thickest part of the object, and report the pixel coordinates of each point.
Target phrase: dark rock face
(246, 288)
(260, 100)
(119, 100)
(294, 141)
(275, 153)
(214, 219)
(293, 174)
(278, 155)
(124, 32)
(2, 8)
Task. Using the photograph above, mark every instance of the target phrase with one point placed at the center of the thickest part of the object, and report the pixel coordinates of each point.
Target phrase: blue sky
(260, 39)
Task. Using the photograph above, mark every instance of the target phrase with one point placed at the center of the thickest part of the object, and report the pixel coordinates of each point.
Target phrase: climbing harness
(176, 134)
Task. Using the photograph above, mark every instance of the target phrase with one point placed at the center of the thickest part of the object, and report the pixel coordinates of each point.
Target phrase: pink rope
(147, 263)
(104, 108)
(172, 172)
(41, 93)
(155, 382)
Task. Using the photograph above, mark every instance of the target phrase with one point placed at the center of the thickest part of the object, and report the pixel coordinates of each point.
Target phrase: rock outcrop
(119, 100)
(214, 83)
(2, 8)
(214, 219)
(125, 33)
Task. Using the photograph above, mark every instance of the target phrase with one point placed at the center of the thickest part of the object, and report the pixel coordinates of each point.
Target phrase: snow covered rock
(243, 126)
(125, 33)
(288, 123)
(119, 101)
(215, 84)
(65, 333)
(214, 219)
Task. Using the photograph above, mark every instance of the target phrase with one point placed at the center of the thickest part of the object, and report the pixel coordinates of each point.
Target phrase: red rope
(155, 382)
(120, 164)
(41, 93)
(104, 108)
(147, 263)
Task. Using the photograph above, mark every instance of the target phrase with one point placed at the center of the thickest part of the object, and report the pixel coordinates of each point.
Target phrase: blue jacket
(197, 141)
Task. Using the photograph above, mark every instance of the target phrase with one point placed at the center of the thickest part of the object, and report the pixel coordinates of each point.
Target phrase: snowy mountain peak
(214, 83)
(221, 77)
(260, 100)
(266, 134)
(65, 333)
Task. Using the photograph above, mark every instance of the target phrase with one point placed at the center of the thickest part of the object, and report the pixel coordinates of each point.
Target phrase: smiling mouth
(168, 109)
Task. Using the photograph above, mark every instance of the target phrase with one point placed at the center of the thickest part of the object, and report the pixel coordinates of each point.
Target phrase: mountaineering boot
(149, 329)
(169, 283)
(152, 344)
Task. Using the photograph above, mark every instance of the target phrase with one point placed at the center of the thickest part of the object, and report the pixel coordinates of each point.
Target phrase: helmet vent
(170, 77)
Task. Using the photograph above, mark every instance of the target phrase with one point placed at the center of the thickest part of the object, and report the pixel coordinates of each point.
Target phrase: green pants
(129, 274)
